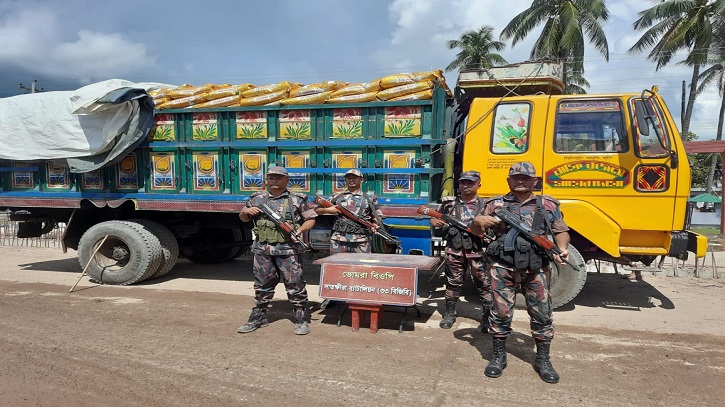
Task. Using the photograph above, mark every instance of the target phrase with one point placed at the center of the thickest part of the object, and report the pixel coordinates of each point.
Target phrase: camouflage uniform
(275, 261)
(542, 214)
(355, 238)
(535, 284)
(460, 259)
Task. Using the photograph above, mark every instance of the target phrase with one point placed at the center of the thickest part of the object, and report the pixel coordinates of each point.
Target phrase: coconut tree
(567, 26)
(478, 50)
(714, 75)
(673, 26)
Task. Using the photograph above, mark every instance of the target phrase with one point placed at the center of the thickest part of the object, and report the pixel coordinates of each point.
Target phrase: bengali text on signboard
(366, 283)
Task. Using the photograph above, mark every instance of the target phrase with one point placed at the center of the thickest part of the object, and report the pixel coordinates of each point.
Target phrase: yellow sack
(160, 93)
(427, 76)
(159, 101)
(263, 99)
(266, 89)
(422, 95)
(220, 102)
(231, 90)
(315, 88)
(358, 88)
(392, 81)
(404, 90)
(363, 97)
(313, 99)
(191, 91)
(183, 102)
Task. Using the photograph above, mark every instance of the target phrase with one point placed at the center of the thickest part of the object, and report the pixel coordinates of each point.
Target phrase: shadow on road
(518, 344)
(62, 265)
(612, 291)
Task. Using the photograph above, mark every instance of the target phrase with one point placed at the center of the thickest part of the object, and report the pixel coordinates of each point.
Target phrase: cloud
(422, 29)
(96, 55)
(34, 41)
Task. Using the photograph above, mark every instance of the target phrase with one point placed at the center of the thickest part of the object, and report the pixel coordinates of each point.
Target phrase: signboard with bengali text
(366, 283)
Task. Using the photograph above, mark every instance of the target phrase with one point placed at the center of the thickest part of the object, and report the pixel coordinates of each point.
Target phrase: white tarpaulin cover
(89, 127)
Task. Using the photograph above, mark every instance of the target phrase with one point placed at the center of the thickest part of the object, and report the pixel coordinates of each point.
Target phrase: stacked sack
(399, 87)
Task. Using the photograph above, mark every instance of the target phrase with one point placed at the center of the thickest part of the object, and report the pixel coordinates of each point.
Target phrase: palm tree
(715, 74)
(566, 24)
(679, 25)
(477, 50)
(576, 84)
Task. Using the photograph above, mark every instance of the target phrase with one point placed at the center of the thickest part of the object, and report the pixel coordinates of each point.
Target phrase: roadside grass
(707, 231)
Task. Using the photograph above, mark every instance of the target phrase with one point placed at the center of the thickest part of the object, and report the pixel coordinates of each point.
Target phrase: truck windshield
(590, 126)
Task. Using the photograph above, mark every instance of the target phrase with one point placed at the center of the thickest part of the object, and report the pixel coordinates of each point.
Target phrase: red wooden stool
(376, 315)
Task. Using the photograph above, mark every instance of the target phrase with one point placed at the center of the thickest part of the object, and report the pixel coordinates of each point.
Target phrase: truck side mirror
(639, 112)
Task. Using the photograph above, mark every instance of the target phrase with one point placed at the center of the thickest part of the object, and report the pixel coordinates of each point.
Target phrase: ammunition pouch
(344, 225)
(267, 232)
(517, 252)
(460, 240)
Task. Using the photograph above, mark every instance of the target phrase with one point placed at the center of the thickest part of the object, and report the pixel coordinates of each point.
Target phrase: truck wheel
(567, 281)
(169, 245)
(129, 254)
(211, 246)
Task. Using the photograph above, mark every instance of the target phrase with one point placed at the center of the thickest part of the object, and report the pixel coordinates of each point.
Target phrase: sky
(64, 45)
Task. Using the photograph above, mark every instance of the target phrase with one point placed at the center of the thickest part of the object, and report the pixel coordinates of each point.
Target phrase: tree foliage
(478, 50)
(567, 26)
(679, 25)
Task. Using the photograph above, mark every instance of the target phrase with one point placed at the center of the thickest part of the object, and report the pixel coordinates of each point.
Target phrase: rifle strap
(291, 212)
(374, 210)
(541, 215)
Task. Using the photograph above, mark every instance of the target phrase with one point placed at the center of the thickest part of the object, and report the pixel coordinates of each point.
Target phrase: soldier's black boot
(484, 318)
(542, 364)
(300, 320)
(498, 360)
(449, 318)
(258, 319)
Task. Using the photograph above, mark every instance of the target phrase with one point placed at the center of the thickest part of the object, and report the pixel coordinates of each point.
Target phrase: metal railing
(9, 232)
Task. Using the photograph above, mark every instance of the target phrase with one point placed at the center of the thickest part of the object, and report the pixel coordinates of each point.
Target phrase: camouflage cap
(470, 175)
(354, 172)
(277, 170)
(523, 168)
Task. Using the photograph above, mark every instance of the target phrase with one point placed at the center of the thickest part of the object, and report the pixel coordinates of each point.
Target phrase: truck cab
(615, 162)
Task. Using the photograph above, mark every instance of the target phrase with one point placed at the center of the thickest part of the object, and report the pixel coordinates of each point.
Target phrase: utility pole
(33, 87)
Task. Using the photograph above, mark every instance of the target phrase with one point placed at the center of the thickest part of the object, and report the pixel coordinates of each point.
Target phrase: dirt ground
(173, 342)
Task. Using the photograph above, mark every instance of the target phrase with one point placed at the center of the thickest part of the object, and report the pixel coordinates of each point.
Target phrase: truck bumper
(697, 244)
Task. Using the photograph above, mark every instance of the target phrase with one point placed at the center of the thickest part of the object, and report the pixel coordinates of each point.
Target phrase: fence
(9, 231)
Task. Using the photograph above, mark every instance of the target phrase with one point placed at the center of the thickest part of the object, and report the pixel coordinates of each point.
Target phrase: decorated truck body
(615, 162)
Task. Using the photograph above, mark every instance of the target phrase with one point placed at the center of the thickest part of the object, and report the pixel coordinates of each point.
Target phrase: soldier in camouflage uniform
(463, 250)
(349, 236)
(276, 254)
(543, 214)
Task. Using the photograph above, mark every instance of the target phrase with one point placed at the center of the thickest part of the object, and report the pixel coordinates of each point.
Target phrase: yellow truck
(616, 163)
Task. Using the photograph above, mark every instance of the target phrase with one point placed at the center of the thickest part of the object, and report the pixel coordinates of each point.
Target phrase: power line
(33, 87)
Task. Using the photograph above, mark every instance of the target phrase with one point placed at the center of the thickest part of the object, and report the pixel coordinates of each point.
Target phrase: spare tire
(128, 255)
(169, 245)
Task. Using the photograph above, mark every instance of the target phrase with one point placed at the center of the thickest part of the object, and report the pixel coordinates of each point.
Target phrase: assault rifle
(279, 221)
(528, 233)
(380, 231)
(452, 221)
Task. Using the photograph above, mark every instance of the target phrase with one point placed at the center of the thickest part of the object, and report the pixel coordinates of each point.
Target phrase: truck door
(617, 187)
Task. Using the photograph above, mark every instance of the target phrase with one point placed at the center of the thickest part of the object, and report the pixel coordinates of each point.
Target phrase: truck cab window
(656, 143)
(511, 128)
(590, 126)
